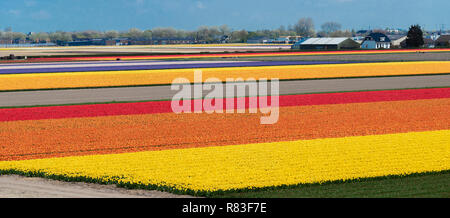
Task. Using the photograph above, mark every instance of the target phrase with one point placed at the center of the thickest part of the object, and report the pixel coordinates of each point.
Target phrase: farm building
(428, 43)
(258, 40)
(286, 40)
(397, 40)
(362, 32)
(281, 40)
(87, 42)
(171, 40)
(328, 44)
(376, 41)
(443, 40)
(358, 39)
(298, 43)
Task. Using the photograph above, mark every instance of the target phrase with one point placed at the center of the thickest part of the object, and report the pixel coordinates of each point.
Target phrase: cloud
(200, 5)
(30, 3)
(41, 15)
(343, 1)
(14, 12)
(11, 13)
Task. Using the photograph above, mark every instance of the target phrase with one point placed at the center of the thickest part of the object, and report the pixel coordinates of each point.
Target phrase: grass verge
(432, 185)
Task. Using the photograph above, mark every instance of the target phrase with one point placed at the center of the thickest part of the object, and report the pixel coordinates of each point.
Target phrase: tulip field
(320, 138)
(34, 81)
(252, 54)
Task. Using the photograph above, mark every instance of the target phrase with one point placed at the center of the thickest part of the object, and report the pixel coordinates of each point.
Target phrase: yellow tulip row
(257, 165)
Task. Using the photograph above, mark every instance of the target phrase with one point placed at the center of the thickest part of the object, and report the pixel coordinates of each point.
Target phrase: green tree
(415, 37)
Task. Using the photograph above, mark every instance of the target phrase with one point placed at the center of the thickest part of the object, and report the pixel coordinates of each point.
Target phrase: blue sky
(69, 15)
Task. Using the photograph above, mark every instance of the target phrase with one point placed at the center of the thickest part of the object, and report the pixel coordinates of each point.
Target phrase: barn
(329, 44)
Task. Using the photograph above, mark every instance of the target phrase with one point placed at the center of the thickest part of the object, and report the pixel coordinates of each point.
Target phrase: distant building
(171, 41)
(428, 43)
(5, 42)
(87, 42)
(297, 44)
(117, 41)
(225, 39)
(397, 40)
(329, 44)
(286, 40)
(362, 32)
(395, 31)
(281, 40)
(294, 39)
(376, 41)
(127, 41)
(434, 36)
(443, 41)
(358, 39)
(258, 40)
(9, 45)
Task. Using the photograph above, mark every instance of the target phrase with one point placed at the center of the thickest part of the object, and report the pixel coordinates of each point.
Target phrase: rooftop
(325, 41)
(443, 38)
(378, 37)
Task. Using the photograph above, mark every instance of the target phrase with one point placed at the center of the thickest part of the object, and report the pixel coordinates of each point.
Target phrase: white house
(376, 41)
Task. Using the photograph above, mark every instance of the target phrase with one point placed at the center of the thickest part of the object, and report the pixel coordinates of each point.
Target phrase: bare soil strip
(23, 187)
(150, 93)
(96, 50)
(437, 56)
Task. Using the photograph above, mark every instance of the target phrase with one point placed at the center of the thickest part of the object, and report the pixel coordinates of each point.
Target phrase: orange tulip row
(33, 139)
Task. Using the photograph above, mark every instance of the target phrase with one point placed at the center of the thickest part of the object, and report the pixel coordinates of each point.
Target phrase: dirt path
(105, 50)
(76, 96)
(23, 187)
(437, 56)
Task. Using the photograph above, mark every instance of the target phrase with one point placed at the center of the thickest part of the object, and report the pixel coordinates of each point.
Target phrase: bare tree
(111, 34)
(239, 36)
(208, 34)
(305, 27)
(88, 34)
(182, 34)
(135, 33)
(147, 35)
(330, 27)
(340, 33)
(225, 30)
(164, 32)
(12, 36)
(40, 37)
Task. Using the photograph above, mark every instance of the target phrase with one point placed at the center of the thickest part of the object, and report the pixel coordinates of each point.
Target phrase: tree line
(210, 34)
